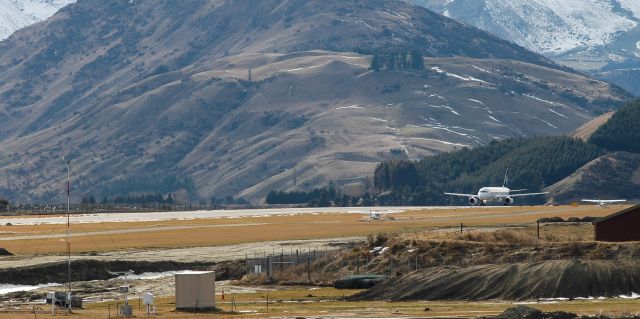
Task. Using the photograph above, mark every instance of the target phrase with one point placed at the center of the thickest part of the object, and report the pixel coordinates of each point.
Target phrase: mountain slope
(600, 37)
(621, 132)
(16, 14)
(611, 176)
(585, 131)
(132, 89)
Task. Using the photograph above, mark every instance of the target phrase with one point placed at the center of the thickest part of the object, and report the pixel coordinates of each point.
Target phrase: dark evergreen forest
(622, 131)
(533, 163)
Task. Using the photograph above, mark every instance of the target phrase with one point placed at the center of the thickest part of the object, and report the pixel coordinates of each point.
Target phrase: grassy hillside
(136, 89)
(611, 176)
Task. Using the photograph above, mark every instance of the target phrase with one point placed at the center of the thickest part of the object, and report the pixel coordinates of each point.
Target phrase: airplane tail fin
(505, 183)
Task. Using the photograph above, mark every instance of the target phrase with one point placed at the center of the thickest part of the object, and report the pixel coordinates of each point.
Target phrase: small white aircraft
(604, 203)
(375, 217)
(490, 194)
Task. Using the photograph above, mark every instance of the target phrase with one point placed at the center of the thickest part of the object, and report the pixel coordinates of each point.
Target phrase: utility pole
(68, 235)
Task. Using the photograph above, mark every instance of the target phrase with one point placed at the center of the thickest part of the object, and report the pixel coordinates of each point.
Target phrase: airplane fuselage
(493, 193)
(490, 194)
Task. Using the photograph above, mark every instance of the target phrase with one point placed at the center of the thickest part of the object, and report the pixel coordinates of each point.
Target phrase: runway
(210, 214)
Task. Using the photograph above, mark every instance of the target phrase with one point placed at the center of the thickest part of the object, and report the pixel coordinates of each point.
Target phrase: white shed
(195, 290)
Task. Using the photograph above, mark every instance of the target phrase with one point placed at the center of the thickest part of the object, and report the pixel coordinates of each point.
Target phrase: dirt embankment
(407, 253)
(518, 281)
(502, 264)
(84, 270)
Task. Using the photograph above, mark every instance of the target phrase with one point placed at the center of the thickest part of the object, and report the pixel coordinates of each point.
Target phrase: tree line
(402, 60)
(131, 199)
(4, 203)
(534, 163)
(318, 197)
(147, 184)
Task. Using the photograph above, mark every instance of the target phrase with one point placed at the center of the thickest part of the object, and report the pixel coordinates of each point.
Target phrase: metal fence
(318, 265)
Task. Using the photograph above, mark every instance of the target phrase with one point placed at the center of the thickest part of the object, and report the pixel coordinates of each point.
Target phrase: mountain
(241, 97)
(598, 37)
(16, 14)
(611, 176)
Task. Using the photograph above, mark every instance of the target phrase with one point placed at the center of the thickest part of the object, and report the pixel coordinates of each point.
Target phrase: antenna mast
(68, 235)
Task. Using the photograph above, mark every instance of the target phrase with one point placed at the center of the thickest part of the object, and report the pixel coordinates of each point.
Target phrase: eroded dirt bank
(517, 281)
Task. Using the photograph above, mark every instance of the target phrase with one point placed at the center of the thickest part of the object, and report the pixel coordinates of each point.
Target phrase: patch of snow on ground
(465, 78)
(147, 275)
(554, 112)
(355, 106)
(8, 288)
(494, 119)
(445, 107)
(444, 128)
(632, 296)
(305, 68)
(480, 69)
(546, 122)
(438, 141)
(438, 96)
(477, 101)
(379, 120)
(557, 104)
(464, 129)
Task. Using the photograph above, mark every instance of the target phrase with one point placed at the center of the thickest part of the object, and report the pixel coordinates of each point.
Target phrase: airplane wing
(604, 200)
(464, 195)
(518, 190)
(527, 194)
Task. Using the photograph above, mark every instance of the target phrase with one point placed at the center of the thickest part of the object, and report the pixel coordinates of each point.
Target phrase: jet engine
(508, 201)
(474, 201)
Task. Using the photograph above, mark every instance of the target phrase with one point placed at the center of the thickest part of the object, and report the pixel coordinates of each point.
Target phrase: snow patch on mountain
(545, 26)
(17, 14)
(631, 5)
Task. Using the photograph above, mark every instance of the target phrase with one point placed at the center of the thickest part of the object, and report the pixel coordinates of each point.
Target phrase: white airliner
(490, 194)
(604, 203)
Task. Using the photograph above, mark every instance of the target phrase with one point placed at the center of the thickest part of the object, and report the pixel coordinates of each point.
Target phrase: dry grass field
(301, 301)
(104, 237)
(481, 224)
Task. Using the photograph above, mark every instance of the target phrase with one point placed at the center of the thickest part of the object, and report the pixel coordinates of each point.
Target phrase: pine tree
(376, 63)
(417, 61)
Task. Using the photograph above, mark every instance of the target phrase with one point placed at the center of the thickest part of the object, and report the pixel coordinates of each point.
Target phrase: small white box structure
(147, 300)
(195, 290)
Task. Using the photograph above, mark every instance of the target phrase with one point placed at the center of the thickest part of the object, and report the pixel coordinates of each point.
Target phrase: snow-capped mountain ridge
(545, 26)
(601, 37)
(17, 14)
